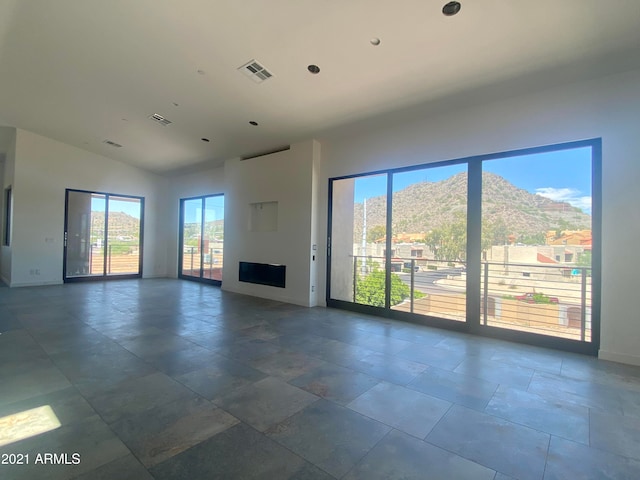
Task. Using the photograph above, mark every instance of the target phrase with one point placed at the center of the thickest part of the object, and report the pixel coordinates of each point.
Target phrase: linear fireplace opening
(263, 274)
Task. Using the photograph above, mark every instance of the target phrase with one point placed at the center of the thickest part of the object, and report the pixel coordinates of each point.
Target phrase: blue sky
(563, 175)
(193, 209)
(116, 204)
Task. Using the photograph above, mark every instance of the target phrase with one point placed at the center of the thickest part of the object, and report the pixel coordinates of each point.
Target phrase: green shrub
(541, 298)
(370, 290)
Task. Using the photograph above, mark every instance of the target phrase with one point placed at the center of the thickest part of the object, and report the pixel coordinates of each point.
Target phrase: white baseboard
(277, 298)
(35, 284)
(619, 357)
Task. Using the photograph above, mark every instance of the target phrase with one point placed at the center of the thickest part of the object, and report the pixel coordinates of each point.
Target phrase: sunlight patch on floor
(27, 423)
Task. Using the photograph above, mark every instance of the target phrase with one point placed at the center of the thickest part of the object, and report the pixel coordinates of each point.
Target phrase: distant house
(575, 237)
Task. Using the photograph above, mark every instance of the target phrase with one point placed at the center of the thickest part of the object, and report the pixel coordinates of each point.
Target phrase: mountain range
(120, 223)
(426, 206)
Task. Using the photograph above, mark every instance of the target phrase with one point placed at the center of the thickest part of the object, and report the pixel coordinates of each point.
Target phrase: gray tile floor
(169, 379)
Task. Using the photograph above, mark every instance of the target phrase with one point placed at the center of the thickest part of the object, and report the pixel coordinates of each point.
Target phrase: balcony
(545, 299)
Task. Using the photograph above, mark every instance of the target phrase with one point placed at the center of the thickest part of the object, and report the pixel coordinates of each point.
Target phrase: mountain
(120, 224)
(426, 206)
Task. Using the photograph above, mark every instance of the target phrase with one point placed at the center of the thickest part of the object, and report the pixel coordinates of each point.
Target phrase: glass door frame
(387, 311)
(473, 322)
(201, 278)
(105, 275)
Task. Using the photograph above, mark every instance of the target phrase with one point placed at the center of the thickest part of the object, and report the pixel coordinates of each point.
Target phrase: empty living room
(319, 240)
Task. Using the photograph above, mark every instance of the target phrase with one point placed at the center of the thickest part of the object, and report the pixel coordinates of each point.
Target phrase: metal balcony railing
(548, 299)
(192, 259)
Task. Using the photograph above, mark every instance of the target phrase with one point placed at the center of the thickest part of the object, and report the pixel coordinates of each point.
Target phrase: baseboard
(35, 284)
(619, 357)
(277, 298)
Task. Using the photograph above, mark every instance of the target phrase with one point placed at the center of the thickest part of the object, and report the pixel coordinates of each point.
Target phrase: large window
(359, 243)
(507, 244)
(202, 238)
(537, 243)
(429, 215)
(103, 235)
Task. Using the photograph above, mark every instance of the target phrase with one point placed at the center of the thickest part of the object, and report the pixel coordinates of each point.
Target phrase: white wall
(8, 147)
(287, 178)
(44, 168)
(206, 182)
(318, 257)
(606, 107)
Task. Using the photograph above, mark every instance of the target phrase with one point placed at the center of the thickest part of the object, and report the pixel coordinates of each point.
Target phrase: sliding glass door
(504, 245)
(429, 239)
(419, 269)
(537, 243)
(358, 239)
(201, 238)
(103, 235)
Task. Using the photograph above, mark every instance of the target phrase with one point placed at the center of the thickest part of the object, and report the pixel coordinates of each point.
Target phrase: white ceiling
(82, 71)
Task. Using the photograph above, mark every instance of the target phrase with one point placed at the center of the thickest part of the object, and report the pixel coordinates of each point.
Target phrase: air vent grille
(255, 71)
(267, 152)
(112, 144)
(156, 117)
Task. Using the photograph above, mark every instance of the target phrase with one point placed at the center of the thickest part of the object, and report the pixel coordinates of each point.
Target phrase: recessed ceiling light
(314, 69)
(205, 140)
(375, 41)
(451, 9)
(254, 123)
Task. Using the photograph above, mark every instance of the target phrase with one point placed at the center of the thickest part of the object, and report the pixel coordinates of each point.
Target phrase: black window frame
(105, 275)
(474, 253)
(192, 278)
(8, 203)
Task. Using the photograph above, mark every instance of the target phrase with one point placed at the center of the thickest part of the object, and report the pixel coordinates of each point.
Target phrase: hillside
(120, 223)
(430, 205)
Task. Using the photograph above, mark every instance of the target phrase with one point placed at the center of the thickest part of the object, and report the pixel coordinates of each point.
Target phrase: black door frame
(105, 275)
(192, 278)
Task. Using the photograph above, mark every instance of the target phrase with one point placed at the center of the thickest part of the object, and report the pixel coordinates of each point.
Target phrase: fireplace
(263, 274)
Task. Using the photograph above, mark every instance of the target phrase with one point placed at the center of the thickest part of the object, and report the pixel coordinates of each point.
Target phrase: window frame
(181, 275)
(474, 253)
(8, 207)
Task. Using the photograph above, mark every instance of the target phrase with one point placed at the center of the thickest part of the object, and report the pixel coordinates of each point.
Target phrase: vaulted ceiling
(86, 71)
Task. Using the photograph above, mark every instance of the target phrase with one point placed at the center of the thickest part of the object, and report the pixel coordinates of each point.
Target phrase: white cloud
(568, 195)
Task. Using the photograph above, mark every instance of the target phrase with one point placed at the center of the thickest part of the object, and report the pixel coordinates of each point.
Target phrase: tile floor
(168, 379)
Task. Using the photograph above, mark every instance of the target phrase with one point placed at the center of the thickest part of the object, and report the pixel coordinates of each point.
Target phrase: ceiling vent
(160, 119)
(112, 144)
(255, 71)
(267, 152)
